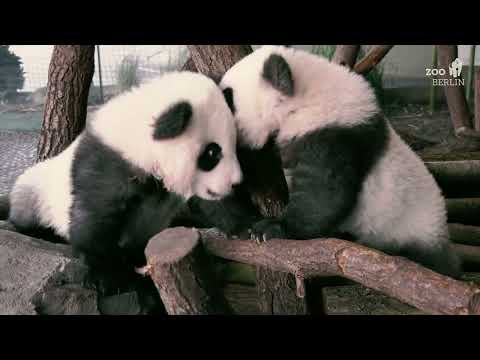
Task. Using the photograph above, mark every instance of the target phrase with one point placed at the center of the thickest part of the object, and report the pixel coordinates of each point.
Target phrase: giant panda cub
(351, 172)
(124, 178)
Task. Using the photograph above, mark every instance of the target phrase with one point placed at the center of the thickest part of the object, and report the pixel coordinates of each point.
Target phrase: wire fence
(111, 70)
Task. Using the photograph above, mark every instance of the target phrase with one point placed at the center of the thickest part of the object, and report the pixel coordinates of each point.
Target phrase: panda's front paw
(267, 229)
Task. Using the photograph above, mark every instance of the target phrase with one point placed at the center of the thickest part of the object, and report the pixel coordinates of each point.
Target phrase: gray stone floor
(17, 152)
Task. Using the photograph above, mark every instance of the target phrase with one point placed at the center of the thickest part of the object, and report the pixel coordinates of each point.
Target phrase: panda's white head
(178, 128)
(293, 92)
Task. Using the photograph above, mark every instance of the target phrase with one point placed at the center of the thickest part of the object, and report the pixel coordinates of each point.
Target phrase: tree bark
(455, 95)
(346, 55)
(376, 54)
(69, 77)
(279, 293)
(477, 99)
(457, 179)
(215, 60)
(189, 65)
(183, 274)
(464, 211)
(430, 291)
(464, 234)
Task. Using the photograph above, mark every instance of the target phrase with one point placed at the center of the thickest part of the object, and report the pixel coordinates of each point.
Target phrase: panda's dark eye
(210, 157)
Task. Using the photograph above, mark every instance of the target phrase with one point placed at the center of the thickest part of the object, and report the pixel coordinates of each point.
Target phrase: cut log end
(171, 245)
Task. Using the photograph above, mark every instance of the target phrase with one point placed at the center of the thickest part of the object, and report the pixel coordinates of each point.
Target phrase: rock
(70, 299)
(360, 300)
(122, 304)
(5, 225)
(4, 207)
(40, 277)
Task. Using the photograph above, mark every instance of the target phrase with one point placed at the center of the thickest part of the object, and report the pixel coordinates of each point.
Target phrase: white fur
(126, 125)
(400, 201)
(51, 183)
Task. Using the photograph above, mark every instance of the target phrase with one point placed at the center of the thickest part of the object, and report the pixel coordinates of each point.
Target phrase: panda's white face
(179, 129)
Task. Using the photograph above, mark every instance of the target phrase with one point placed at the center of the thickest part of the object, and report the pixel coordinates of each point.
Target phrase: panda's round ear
(278, 74)
(173, 121)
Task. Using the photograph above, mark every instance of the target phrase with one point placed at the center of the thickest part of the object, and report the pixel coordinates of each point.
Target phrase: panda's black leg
(267, 229)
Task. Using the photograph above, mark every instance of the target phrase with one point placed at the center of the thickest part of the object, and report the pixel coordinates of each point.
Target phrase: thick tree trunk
(455, 95)
(215, 60)
(346, 55)
(263, 174)
(477, 98)
(189, 65)
(69, 77)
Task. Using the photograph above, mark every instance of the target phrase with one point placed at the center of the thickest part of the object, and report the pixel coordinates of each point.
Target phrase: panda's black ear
(276, 71)
(173, 121)
(228, 95)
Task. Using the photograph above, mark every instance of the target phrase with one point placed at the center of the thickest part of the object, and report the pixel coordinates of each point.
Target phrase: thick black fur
(116, 209)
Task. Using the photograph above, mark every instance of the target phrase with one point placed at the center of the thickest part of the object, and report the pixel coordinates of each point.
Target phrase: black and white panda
(351, 172)
(125, 177)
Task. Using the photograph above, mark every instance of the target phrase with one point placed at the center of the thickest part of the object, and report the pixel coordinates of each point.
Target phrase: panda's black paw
(267, 229)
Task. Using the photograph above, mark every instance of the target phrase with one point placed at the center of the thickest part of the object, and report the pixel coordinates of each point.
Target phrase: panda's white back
(403, 200)
(50, 184)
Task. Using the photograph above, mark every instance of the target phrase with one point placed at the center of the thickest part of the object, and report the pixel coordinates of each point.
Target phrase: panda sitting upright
(351, 172)
(128, 173)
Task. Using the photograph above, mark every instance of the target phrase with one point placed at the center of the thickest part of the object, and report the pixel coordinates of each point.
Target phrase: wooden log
(469, 256)
(278, 293)
(464, 211)
(346, 55)
(455, 95)
(183, 275)
(375, 55)
(464, 234)
(457, 179)
(4, 207)
(394, 276)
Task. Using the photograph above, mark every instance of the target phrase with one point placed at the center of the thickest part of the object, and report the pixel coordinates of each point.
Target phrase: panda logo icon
(455, 68)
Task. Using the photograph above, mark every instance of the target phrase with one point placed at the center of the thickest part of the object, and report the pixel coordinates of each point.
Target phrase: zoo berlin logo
(454, 71)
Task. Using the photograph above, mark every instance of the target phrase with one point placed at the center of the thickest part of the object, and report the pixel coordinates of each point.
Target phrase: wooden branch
(346, 55)
(455, 95)
(464, 211)
(376, 54)
(4, 207)
(394, 276)
(183, 275)
(457, 178)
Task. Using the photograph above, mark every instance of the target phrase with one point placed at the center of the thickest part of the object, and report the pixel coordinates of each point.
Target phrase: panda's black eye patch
(210, 157)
